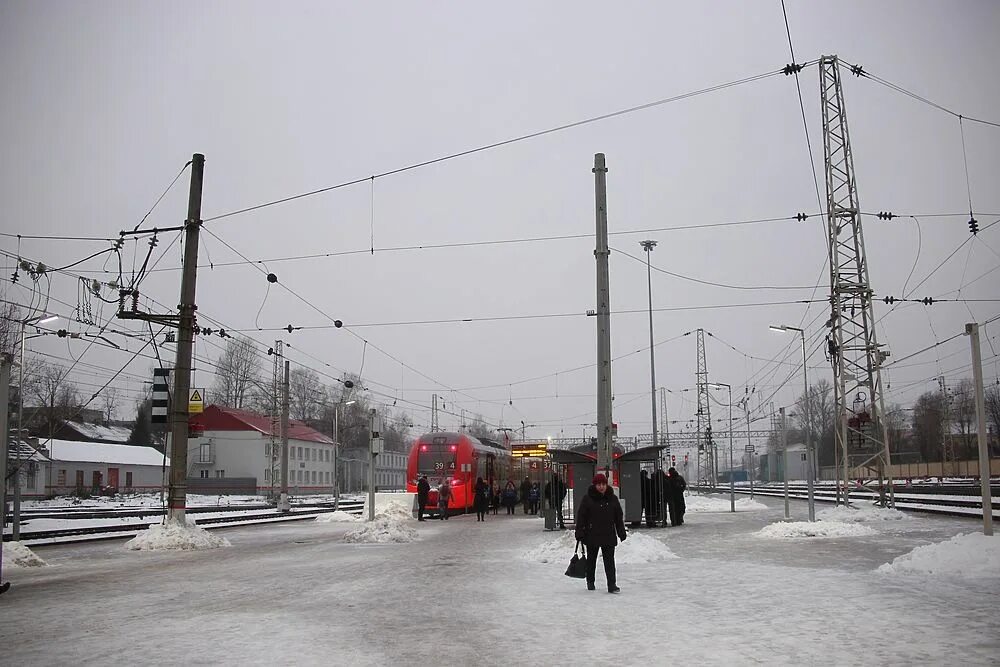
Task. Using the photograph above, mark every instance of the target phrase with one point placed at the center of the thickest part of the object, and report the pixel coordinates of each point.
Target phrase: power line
(505, 142)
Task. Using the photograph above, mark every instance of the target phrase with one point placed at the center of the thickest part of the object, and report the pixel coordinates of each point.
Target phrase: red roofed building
(231, 444)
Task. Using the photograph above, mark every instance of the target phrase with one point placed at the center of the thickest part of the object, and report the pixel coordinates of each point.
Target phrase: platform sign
(750, 449)
(529, 449)
(196, 404)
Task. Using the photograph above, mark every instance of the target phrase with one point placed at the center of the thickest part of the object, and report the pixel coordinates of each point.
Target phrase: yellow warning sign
(196, 404)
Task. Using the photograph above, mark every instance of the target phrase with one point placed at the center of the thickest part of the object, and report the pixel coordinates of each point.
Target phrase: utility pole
(434, 413)
(284, 504)
(784, 458)
(276, 378)
(853, 347)
(972, 330)
(5, 361)
(179, 415)
(648, 247)
(601, 253)
(374, 449)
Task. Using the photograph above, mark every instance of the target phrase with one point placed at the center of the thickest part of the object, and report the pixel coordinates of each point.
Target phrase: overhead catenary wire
(498, 144)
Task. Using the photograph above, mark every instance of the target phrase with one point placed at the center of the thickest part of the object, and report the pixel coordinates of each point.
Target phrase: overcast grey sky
(105, 101)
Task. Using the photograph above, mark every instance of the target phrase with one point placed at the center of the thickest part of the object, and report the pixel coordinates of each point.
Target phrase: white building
(60, 467)
(236, 446)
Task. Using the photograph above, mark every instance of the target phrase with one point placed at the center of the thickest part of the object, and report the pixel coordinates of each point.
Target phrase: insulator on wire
(927, 301)
(801, 217)
(858, 70)
(885, 215)
(889, 300)
(792, 68)
(973, 226)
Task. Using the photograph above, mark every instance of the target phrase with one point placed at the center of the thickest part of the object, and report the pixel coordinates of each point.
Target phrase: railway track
(237, 516)
(945, 501)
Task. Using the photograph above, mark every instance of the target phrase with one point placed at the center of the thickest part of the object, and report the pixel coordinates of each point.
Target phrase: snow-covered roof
(97, 452)
(98, 432)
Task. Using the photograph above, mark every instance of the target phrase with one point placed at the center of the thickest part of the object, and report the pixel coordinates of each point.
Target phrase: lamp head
(775, 327)
(48, 318)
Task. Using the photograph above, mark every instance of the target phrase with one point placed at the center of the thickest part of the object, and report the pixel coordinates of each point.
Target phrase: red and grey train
(459, 459)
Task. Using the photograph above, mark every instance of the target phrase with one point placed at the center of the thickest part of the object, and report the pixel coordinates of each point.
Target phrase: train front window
(436, 459)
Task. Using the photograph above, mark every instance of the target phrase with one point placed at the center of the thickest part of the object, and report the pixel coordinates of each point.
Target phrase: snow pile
(969, 555)
(796, 529)
(863, 513)
(638, 548)
(340, 516)
(718, 504)
(16, 554)
(395, 512)
(383, 530)
(173, 536)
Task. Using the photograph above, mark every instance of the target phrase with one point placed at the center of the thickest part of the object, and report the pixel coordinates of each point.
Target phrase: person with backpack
(600, 524)
(444, 495)
(675, 496)
(482, 499)
(525, 490)
(534, 495)
(423, 491)
(510, 496)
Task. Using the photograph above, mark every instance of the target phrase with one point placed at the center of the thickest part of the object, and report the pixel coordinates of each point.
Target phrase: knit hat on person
(599, 478)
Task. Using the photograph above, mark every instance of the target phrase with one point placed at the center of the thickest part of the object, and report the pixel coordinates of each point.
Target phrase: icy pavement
(465, 593)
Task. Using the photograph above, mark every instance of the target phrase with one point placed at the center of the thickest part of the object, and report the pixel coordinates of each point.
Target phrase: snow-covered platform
(479, 593)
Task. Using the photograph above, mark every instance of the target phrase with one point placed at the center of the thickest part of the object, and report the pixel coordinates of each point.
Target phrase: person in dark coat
(555, 493)
(525, 490)
(534, 495)
(423, 491)
(675, 496)
(444, 495)
(482, 499)
(600, 524)
(495, 498)
(510, 496)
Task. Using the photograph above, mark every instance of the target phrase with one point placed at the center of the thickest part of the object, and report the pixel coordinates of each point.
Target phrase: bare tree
(237, 375)
(57, 397)
(306, 394)
(993, 411)
(478, 428)
(821, 419)
(963, 415)
(109, 403)
(10, 327)
(928, 424)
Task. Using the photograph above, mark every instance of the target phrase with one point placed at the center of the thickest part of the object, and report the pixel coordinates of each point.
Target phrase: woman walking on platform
(600, 523)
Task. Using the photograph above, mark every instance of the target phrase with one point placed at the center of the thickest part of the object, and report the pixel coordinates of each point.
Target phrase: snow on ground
(638, 548)
(383, 530)
(696, 503)
(861, 513)
(971, 555)
(153, 501)
(16, 554)
(464, 593)
(173, 536)
(340, 516)
(795, 529)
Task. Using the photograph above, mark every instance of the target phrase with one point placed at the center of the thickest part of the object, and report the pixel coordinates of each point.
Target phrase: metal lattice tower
(434, 413)
(277, 380)
(706, 454)
(854, 350)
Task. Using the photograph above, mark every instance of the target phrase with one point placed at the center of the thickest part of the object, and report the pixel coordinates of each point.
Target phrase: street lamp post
(732, 481)
(16, 522)
(810, 454)
(648, 247)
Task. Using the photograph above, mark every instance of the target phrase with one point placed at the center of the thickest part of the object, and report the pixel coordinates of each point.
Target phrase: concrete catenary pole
(648, 247)
(784, 458)
(179, 415)
(972, 329)
(601, 253)
(284, 503)
(4, 437)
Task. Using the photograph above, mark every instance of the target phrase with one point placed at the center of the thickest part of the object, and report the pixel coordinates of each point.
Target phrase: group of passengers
(489, 497)
(663, 487)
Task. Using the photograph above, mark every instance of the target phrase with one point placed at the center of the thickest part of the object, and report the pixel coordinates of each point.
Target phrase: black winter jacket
(600, 521)
(423, 490)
